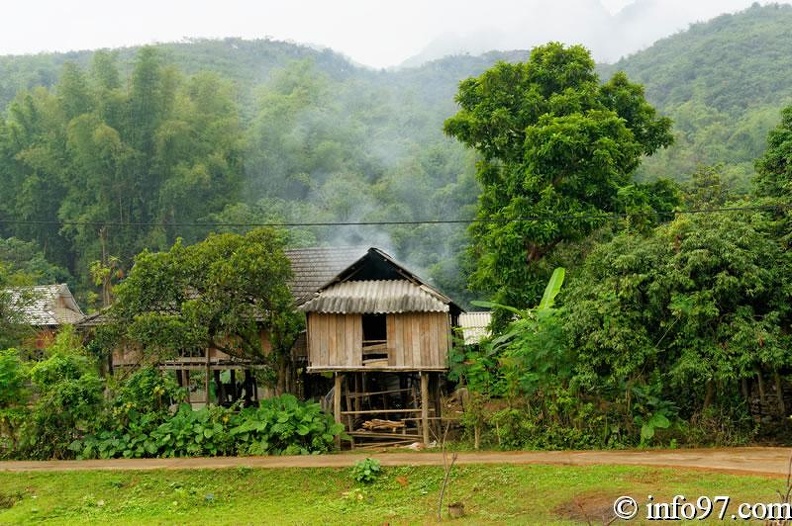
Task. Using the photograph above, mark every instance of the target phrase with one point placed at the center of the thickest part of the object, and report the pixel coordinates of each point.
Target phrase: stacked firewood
(382, 425)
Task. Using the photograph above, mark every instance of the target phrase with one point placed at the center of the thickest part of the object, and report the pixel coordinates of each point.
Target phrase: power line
(417, 222)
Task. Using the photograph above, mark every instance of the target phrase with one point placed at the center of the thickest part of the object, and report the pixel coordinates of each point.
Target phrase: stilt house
(384, 334)
(375, 349)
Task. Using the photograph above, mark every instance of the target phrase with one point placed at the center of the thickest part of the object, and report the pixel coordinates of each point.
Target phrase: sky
(375, 33)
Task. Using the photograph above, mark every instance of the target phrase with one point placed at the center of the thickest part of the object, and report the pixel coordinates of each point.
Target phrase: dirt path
(766, 461)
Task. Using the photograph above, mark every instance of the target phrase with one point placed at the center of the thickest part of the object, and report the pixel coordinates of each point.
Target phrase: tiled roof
(47, 305)
(376, 297)
(315, 267)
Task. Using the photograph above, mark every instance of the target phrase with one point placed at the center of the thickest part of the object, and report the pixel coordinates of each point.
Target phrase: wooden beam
(379, 411)
(339, 379)
(425, 406)
(362, 369)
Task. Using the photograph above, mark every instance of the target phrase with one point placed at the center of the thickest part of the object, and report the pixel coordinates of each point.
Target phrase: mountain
(320, 140)
(584, 21)
(723, 82)
(610, 37)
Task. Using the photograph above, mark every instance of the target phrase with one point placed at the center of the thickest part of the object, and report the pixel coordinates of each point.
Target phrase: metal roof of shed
(47, 305)
(376, 297)
(475, 326)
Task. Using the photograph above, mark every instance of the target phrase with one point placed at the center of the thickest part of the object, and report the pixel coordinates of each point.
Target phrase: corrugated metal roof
(474, 326)
(315, 267)
(376, 297)
(47, 305)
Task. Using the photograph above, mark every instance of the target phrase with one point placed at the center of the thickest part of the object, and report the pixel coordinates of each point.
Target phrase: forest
(265, 131)
(659, 184)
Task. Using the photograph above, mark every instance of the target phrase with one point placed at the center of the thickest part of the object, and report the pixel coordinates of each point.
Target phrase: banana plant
(530, 354)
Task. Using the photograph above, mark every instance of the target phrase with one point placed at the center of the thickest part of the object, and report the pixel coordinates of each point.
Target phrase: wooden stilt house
(385, 335)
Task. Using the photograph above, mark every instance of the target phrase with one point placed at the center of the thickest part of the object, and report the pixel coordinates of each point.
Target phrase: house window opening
(375, 340)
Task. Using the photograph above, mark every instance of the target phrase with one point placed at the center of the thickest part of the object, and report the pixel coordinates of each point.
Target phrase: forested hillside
(723, 83)
(104, 154)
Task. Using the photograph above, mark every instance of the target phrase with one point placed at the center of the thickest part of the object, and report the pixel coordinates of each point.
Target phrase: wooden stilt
(206, 381)
(425, 406)
(339, 379)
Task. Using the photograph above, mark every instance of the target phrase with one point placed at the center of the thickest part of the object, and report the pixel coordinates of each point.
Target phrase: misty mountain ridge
(610, 37)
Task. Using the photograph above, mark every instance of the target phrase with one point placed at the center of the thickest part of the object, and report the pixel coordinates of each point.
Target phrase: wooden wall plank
(396, 357)
(425, 322)
(415, 340)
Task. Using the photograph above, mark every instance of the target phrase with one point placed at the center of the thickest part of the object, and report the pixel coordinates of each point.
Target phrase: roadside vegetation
(58, 407)
(666, 315)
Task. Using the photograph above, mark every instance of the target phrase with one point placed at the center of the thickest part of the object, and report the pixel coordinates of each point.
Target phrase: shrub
(14, 397)
(278, 426)
(190, 433)
(366, 471)
(284, 426)
(70, 397)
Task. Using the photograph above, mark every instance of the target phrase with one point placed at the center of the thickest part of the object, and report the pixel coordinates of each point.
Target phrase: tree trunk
(709, 395)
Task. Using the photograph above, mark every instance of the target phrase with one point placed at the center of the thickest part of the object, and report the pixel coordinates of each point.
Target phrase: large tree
(220, 293)
(557, 153)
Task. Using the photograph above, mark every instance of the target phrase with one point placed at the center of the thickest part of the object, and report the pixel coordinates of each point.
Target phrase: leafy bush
(278, 426)
(13, 400)
(284, 426)
(70, 396)
(147, 390)
(191, 433)
(366, 471)
(12, 379)
(133, 440)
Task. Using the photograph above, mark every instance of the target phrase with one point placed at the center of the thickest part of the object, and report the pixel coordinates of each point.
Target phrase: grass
(492, 494)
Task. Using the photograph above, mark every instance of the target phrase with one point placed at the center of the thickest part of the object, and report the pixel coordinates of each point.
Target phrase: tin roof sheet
(475, 326)
(47, 305)
(376, 297)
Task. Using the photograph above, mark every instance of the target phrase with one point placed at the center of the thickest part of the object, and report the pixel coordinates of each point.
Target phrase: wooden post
(206, 381)
(425, 406)
(339, 379)
(780, 393)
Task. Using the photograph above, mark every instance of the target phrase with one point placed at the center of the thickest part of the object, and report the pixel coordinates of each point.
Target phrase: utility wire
(611, 215)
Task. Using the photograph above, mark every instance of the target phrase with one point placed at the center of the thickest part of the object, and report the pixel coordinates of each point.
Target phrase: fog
(377, 34)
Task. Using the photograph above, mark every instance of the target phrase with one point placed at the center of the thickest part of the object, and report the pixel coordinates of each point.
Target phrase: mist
(609, 33)
(374, 34)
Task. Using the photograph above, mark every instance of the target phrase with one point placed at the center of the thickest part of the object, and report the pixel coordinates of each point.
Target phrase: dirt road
(766, 461)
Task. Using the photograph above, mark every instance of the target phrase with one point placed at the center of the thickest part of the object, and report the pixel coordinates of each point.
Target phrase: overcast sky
(378, 33)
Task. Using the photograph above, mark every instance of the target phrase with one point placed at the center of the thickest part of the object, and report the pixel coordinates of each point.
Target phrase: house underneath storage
(384, 335)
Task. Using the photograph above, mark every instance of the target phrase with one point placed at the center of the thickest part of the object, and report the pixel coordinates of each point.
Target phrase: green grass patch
(492, 494)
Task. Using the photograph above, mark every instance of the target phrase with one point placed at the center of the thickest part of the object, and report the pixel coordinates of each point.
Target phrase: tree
(556, 148)
(24, 257)
(220, 293)
(14, 298)
(695, 308)
(773, 182)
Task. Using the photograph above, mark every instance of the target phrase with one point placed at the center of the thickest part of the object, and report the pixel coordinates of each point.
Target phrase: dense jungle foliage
(660, 184)
(58, 407)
